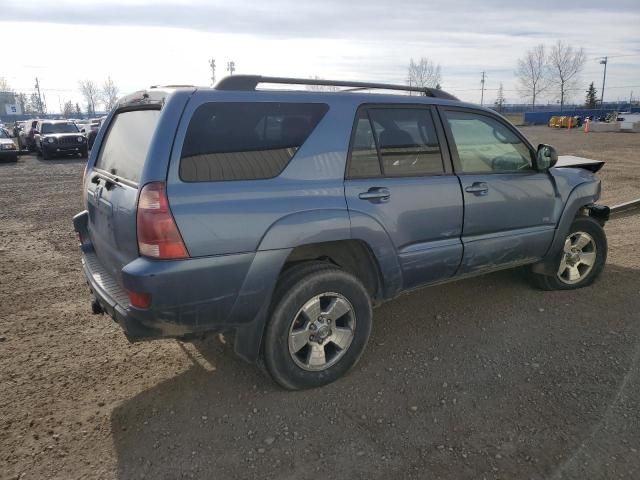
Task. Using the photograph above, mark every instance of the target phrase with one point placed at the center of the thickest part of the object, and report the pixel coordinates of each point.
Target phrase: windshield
(3, 134)
(59, 128)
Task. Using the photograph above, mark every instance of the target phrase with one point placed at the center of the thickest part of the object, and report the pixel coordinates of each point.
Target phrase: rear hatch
(112, 186)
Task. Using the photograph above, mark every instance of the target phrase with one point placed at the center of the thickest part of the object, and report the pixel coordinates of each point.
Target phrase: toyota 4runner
(283, 217)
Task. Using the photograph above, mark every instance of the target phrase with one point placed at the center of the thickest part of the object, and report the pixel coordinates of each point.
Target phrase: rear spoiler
(569, 161)
(153, 97)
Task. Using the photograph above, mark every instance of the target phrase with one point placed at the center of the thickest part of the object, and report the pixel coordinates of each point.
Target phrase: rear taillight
(158, 235)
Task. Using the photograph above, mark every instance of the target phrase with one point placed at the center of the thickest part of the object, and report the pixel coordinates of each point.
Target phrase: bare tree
(566, 64)
(4, 85)
(68, 109)
(34, 104)
(424, 74)
(91, 95)
(109, 94)
(533, 73)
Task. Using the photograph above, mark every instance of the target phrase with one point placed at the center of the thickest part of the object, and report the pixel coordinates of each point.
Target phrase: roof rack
(250, 82)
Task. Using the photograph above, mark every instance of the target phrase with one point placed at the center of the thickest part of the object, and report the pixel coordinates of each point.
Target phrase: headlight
(8, 146)
(80, 139)
(51, 140)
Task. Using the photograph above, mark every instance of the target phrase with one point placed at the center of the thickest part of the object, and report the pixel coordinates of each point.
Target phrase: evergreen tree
(592, 99)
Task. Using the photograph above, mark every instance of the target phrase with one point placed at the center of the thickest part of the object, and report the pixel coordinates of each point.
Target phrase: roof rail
(250, 82)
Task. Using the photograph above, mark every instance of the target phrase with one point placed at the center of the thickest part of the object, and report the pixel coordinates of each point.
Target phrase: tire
(596, 250)
(313, 287)
(45, 155)
(84, 153)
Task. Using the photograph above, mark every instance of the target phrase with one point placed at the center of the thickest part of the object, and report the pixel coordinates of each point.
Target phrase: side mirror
(547, 157)
(36, 132)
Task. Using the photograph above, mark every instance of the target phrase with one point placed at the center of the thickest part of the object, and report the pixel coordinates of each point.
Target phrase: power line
(618, 56)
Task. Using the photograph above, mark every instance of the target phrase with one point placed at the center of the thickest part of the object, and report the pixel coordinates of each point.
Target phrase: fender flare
(301, 228)
(581, 196)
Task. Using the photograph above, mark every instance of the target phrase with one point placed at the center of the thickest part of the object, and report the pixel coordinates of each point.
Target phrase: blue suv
(282, 217)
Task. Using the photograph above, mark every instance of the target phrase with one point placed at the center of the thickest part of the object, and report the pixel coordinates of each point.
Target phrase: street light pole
(604, 79)
(482, 94)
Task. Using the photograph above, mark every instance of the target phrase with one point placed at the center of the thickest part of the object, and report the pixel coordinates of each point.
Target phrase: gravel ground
(483, 378)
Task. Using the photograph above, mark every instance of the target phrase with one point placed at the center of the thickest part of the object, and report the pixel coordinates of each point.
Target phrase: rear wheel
(581, 259)
(319, 326)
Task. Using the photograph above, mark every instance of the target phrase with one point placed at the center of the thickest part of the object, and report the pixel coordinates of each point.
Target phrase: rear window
(245, 141)
(126, 144)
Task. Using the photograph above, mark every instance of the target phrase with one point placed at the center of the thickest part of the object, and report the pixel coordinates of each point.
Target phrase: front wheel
(319, 326)
(581, 259)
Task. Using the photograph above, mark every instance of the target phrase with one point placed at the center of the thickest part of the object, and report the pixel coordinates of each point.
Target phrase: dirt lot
(484, 378)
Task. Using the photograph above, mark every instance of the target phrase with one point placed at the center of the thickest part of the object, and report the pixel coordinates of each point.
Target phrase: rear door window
(407, 141)
(127, 142)
(364, 160)
(245, 141)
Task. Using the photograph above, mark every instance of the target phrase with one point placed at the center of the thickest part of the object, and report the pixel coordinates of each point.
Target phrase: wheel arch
(581, 201)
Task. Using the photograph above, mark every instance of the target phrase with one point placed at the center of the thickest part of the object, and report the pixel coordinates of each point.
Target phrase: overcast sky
(141, 43)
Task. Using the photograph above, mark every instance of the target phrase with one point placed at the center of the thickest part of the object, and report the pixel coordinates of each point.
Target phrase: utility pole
(482, 95)
(231, 67)
(604, 62)
(40, 109)
(212, 64)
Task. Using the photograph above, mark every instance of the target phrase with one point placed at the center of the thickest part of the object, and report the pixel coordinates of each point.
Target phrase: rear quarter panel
(306, 199)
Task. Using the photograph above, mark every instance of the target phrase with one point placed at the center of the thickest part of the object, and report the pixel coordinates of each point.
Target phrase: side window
(364, 156)
(486, 145)
(245, 141)
(407, 141)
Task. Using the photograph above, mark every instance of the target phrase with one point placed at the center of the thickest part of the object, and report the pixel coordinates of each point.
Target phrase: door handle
(479, 189)
(376, 194)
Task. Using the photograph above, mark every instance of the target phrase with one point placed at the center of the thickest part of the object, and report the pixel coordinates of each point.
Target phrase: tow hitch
(96, 308)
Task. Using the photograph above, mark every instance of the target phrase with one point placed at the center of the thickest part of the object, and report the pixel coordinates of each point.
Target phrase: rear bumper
(113, 299)
(187, 296)
(229, 293)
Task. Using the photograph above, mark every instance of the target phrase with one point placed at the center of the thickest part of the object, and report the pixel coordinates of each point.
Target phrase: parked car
(8, 149)
(25, 140)
(59, 137)
(285, 216)
(90, 130)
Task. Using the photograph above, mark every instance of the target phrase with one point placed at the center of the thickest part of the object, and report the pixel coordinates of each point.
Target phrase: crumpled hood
(570, 161)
